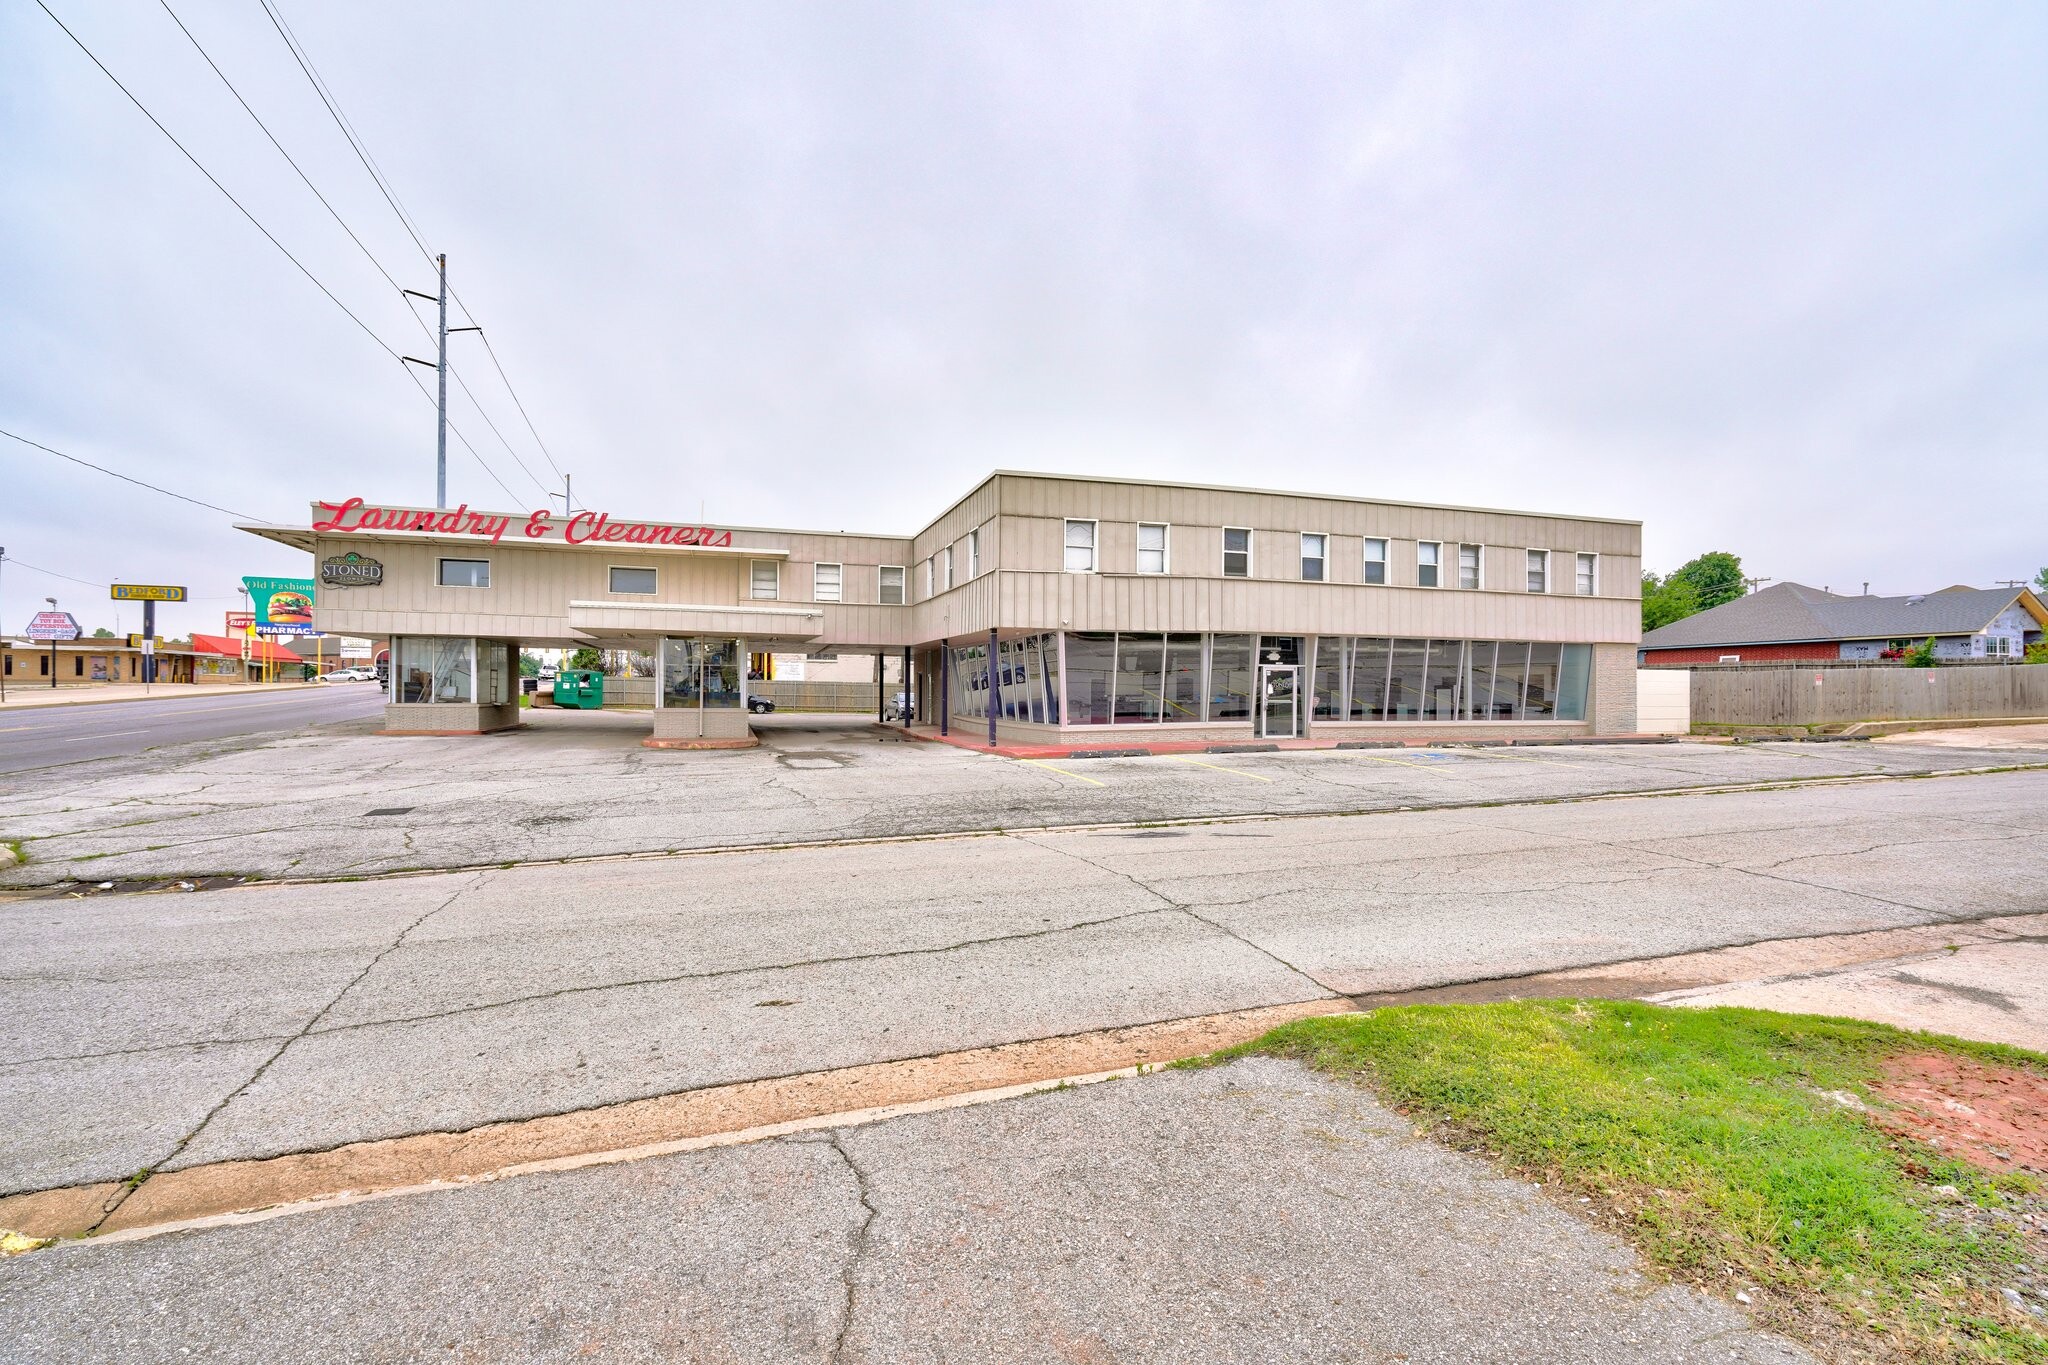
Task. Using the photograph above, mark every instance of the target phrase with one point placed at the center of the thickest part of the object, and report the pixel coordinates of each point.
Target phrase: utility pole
(568, 503)
(1752, 584)
(440, 367)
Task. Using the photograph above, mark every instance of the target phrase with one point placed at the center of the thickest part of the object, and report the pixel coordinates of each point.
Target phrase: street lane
(40, 737)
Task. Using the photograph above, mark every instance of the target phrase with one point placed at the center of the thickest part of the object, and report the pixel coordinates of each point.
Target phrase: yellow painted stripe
(1375, 758)
(1041, 763)
(1219, 768)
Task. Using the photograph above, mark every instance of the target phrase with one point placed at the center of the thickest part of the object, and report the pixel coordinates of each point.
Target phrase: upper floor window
(1588, 575)
(1539, 571)
(974, 554)
(764, 580)
(1429, 556)
(1375, 560)
(465, 573)
(1151, 547)
(632, 580)
(1468, 566)
(927, 578)
(825, 582)
(1080, 547)
(1314, 548)
(890, 593)
(1237, 552)
(946, 568)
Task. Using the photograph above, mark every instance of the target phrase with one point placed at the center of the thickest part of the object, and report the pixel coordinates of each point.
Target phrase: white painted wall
(1664, 701)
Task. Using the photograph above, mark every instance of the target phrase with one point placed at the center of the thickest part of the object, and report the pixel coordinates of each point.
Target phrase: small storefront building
(86, 662)
(1036, 608)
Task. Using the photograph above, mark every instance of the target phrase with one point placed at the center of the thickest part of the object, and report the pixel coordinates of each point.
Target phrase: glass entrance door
(1279, 713)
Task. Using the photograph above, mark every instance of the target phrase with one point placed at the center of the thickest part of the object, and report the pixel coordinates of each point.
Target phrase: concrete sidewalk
(1253, 1212)
(31, 698)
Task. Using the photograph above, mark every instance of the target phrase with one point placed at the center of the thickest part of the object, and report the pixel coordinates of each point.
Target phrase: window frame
(1322, 539)
(902, 585)
(1531, 557)
(441, 571)
(753, 588)
(1478, 565)
(1590, 574)
(1165, 550)
(1249, 552)
(1094, 546)
(1436, 569)
(974, 554)
(930, 589)
(611, 569)
(838, 568)
(1366, 561)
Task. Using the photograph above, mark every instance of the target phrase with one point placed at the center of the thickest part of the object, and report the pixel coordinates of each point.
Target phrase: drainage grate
(390, 810)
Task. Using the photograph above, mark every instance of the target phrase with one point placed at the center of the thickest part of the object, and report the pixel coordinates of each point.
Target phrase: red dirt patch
(1995, 1117)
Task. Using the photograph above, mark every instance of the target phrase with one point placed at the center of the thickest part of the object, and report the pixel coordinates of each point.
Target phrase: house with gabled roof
(1793, 623)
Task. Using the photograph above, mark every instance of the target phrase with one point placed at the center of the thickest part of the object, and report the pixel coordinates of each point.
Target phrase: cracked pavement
(297, 804)
(167, 1030)
(1251, 1212)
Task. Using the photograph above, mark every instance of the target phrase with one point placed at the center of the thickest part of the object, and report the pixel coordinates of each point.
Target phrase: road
(43, 737)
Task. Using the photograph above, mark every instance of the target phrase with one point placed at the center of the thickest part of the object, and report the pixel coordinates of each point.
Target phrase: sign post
(53, 625)
(149, 594)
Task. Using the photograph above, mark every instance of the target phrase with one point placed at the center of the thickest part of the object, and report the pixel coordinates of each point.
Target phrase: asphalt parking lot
(339, 800)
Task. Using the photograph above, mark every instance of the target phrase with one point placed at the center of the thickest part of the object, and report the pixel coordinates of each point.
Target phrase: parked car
(898, 707)
(760, 706)
(348, 675)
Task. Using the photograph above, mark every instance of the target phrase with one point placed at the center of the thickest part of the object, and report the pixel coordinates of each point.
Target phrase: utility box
(581, 688)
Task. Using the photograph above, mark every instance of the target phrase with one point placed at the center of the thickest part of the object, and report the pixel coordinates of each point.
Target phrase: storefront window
(1369, 659)
(1328, 683)
(1539, 700)
(1140, 673)
(1182, 695)
(1573, 672)
(698, 673)
(1231, 677)
(434, 669)
(497, 657)
(1091, 673)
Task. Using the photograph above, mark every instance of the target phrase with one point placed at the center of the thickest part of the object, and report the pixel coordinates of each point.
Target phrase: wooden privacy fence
(1826, 696)
(853, 698)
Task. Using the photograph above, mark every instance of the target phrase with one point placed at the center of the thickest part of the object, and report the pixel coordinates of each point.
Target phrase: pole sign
(147, 592)
(284, 606)
(239, 622)
(53, 625)
(549, 528)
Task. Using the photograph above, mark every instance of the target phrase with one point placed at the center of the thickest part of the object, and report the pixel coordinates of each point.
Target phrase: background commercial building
(1043, 606)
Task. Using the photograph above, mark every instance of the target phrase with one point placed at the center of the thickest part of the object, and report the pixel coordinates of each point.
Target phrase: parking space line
(1524, 758)
(1041, 763)
(1219, 768)
(1405, 763)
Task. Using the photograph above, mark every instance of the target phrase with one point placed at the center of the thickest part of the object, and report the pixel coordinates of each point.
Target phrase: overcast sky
(1772, 278)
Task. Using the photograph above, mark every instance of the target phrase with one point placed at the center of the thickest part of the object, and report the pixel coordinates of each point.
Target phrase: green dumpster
(580, 687)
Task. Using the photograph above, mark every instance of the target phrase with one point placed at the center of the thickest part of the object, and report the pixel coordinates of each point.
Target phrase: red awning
(260, 651)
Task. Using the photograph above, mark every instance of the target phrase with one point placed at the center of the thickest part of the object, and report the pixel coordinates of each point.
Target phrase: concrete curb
(192, 693)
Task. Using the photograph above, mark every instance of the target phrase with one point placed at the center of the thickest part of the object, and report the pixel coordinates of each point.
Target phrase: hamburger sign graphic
(281, 606)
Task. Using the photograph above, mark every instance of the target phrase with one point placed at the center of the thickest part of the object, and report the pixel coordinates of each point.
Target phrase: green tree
(586, 657)
(2041, 582)
(1921, 655)
(529, 664)
(2037, 652)
(103, 634)
(1715, 577)
(1666, 600)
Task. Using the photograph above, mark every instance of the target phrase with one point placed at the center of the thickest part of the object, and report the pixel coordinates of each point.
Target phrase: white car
(348, 675)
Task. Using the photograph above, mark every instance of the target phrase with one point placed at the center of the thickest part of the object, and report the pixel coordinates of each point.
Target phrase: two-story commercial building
(1037, 607)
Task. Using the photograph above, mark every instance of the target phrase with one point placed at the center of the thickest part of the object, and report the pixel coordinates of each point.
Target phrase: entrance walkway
(1124, 746)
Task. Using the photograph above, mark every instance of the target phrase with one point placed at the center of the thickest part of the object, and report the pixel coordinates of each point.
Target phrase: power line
(269, 237)
(24, 564)
(362, 151)
(368, 255)
(211, 507)
(217, 185)
(341, 121)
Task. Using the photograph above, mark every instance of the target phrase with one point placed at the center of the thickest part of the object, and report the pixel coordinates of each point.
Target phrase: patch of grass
(19, 848)
(1710, 1140)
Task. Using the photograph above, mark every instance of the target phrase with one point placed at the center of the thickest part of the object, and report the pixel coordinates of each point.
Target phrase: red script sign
(582, 528)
